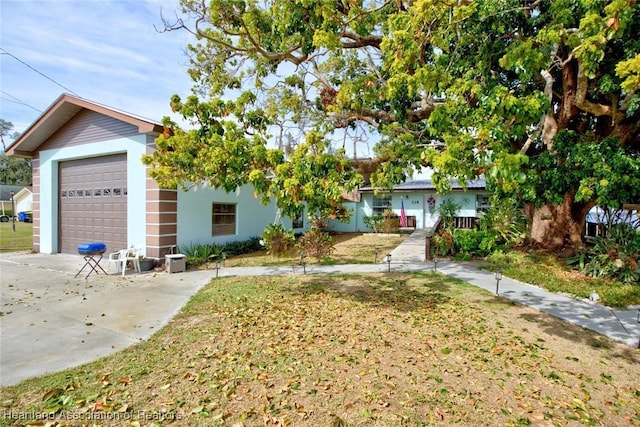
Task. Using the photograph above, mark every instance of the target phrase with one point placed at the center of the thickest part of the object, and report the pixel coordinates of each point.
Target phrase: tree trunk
(555, 227)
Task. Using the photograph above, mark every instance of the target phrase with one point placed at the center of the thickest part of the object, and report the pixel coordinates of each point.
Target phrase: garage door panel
(93, 204)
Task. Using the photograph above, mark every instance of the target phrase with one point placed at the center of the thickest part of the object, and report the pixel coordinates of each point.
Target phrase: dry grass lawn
(353, 350)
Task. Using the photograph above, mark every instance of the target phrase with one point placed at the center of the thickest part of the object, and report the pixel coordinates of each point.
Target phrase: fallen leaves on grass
(392, 349)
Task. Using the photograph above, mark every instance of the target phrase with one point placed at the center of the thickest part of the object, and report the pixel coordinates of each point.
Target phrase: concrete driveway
(52, 321)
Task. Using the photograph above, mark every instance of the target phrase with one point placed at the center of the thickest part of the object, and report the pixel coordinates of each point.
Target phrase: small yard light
(224, 259)
(303, 261)
(376, 251)
(498, 278)
(217, 266)
(435, 263)
(389, 262)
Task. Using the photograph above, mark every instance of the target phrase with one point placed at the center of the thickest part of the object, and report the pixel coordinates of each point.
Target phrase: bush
(506, 221)
(374, 222)
(614, 256)
(277, 240)
(243, 246)
(473, 243)
(448, 211)
(197, 254)
(442, 243)
(316, 243)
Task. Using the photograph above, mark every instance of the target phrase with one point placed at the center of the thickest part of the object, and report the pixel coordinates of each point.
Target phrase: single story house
(420, 201)
(23, 200)
(6, 192)
(89, 185)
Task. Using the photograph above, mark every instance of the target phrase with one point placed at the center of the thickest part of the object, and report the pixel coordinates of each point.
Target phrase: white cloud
(105, 51)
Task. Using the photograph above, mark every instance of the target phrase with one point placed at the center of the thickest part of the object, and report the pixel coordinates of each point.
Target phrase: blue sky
(104, 51)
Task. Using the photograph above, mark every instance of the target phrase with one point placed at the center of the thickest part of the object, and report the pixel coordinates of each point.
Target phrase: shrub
(390, 222)
(198, 254)
(316, 243)
(506, 221)
(277, 240)
(374, 222)
(243, 246)
(448, 210)
(442, 243)
(472, 243)
(615, 256)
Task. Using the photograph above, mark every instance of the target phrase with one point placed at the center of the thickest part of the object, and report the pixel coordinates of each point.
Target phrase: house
(89, 184)
(23, 200)
(598, 219)
(420, 200)
(6, 193)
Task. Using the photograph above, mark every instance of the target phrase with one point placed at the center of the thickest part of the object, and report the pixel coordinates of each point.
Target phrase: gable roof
(6, 189)
(60, 112)
(428, 185)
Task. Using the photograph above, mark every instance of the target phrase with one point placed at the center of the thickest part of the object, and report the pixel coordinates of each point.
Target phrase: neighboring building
(89, 184)
(420, 201)
(6, 191)
(24, 200)
(598, 219)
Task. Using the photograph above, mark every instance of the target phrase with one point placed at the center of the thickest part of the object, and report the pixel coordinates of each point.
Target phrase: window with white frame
(223, 219)
(381, 203)
(297, 221)
(483, 203)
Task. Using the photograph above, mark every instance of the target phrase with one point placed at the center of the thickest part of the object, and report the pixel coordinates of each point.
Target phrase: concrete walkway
(52, 321)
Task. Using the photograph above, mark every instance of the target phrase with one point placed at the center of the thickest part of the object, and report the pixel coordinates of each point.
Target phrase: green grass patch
(552, 273)
(20, 240)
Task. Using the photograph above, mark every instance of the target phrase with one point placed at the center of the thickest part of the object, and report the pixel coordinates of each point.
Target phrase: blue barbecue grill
(92, 253)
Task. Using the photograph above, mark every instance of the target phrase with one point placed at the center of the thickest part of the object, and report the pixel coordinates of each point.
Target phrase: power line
(37, 71)
(18, 101)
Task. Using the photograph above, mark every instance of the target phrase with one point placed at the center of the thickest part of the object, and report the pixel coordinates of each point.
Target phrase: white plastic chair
(114, 258)
(131, 254)
(122, 258)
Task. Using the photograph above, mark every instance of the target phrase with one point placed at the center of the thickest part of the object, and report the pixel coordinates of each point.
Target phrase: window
(483, 203)
(223, 219)
(381, 204)
(297, 221)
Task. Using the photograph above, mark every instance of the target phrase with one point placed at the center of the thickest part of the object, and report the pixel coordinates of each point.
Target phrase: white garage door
(93, 202)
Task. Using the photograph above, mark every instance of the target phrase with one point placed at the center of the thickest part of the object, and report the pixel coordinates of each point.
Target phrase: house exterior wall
(194, 222)
(46, 186)
(24, 202)
(87, 127)
(35, 207)
(415, 204)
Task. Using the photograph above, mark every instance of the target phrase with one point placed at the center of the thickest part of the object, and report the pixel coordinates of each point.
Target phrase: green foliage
(442, 243)
(472, 243)
(505, 223)
(615, 255)
(316, 243)
(448, 210)
(470, 88)
(374, 222)
(199, 254)
(277, 240)
(550, 272)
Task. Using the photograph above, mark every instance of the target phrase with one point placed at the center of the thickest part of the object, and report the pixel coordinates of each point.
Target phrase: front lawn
(350, 248)
(20, 240)
(375, 349)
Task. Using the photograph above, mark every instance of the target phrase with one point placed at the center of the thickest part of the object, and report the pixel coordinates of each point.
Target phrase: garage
(93, 202)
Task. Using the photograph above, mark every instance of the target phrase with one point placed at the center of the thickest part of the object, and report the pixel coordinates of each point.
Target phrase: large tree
(13, 171)
(540, 97)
